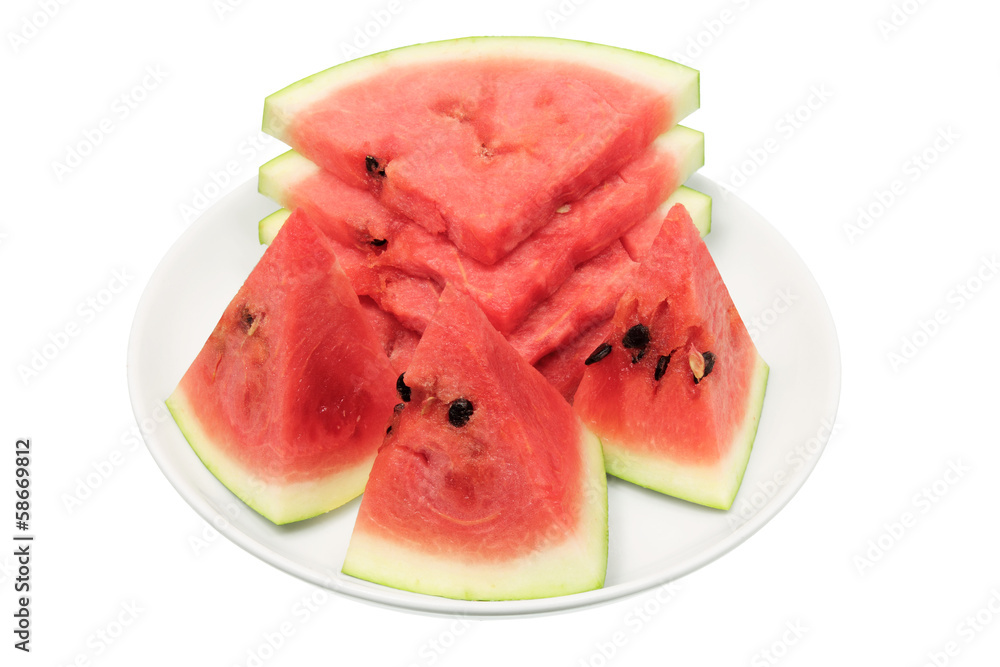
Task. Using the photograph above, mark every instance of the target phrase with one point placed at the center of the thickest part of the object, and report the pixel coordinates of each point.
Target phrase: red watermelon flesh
(502, 498)
(564, 366)
(509, 288)
(676, 404)
(586, 298)
(480, 143)
(410, 299)
(397, 341)
(288, 400)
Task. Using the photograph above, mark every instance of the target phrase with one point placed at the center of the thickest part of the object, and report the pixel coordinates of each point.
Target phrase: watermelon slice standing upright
(289, 398)
(675, 392)
(484, 138)
(487, 487)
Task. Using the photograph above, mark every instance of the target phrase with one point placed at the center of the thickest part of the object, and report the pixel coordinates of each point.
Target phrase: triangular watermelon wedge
(509, 288)
(676, 390)
(483, 138)
(288, 400)
(487, 487)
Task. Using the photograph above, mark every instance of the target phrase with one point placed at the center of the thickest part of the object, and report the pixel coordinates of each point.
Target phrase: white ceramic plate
(654, 538)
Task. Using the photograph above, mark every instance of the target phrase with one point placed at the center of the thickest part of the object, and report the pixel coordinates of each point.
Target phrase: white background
(828, 565)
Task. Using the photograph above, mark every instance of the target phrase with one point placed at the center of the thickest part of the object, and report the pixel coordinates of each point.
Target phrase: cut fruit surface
(590, 294)
(289, 398)
(495, 134)
(397, 341)
(564, 366)
(411, 300)
(677, 398)
(638, 239)
(487, 487)
(509, 288)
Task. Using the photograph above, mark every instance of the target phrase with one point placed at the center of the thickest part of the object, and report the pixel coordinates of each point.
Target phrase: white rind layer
(698, 205)
(570, 564)
(278, 175)
(268, 227)
(280, 502)
(687, 147)
(712, 485)
(670, 79)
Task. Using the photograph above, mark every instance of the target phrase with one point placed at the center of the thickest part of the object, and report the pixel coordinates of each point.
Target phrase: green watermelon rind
(279, 174)
(269, 225)
(578, 564)
(679, 81)
(713, 486)
(281, 503)
(698, 205)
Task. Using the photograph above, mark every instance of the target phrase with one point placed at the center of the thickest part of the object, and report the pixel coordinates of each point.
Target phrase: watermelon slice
(676, 390)
(487, 487)
(483, 138)
(410, 299)
(289, 399)
(590, 294)
(507, 289)
(397, 341)
(638, 240)
(564, 366)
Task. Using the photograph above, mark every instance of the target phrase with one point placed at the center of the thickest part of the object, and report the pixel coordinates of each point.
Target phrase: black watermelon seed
(637, 358)
(459, 412)
(636, 338)
(371, 165)
(603, 350)
(246, 319)
(379, 242)
(709, 363)
(402, 389)
(388, 430)
(709, 358)
(661, 367)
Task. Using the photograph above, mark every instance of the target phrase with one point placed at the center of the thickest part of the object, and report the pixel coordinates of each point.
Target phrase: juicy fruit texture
(487, 487)
(564, 367)
(590, 294)
(687, 380)
(397, 341)
(411, 300)
(289, 398)
(585, 299)
(462, 136)
(638, 239)
(509, 288)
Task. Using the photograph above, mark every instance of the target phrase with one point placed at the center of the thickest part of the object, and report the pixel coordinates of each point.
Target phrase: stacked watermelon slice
(485, 268)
